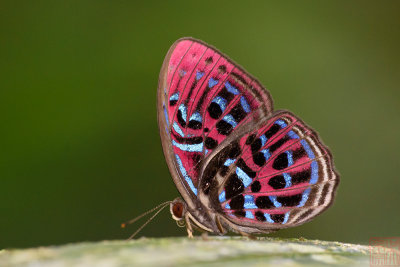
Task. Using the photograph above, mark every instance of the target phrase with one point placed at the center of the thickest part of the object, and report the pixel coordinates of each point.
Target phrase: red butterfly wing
(280, 175)
(203, 97)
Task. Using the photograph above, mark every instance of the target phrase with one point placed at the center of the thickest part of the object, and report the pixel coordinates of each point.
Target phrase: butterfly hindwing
(203, 97)
(283, 175)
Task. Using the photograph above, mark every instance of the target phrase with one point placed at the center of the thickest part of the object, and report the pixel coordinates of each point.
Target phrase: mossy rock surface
(215, 251)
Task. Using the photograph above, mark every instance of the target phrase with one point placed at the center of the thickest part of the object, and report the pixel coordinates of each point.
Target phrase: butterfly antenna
(159, 207)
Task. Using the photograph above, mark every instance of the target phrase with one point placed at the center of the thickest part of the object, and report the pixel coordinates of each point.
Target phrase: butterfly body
(239, 165)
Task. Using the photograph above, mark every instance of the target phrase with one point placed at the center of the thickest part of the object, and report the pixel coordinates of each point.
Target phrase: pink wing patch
(205, 97)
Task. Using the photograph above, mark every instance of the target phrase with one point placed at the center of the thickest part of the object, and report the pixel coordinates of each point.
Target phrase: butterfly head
(178, 210)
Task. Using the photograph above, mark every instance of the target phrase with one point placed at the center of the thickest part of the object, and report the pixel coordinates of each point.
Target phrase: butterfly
(239, 165)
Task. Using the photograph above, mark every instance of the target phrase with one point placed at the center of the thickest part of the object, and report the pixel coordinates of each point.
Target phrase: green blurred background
(79, 144)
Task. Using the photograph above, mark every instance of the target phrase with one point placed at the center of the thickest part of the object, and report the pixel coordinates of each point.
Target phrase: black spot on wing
(210, 143)
(256, 145)
(301, 177)
(234, 186)
(281, 162)
(299, 153)
(278, 144)
(237, 202)
(256, 187)
(264, 202)
(259, 159)
(272, 131)
(225, 94)
(290, 201)
(173, 102)
(260, 216)
(234, 150)
(250, 139)
(180, 119)
(188, 140)
(222, 69)
(278, 218)
(214, 110)
(277, 182)
(242, 164)
(208, 177)
(238, 113)
(224, 128)
(195, 125)
(239, 213)
(209, 60)
(196, 157)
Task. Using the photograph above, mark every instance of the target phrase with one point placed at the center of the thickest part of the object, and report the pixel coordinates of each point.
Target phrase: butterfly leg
(249, 236)
(189, 226)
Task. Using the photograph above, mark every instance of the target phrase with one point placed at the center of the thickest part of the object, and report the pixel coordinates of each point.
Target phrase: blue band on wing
(229, 119)
(314, 164)
(286, 218)
(249, 215)
(232, 89)
(178, 129)
(293, 135)
(185, 175)
(182, 108)
(195, 117)
(268, 217)
(212, 82)
(307, 148)
(221, 102)
(245, 105)
(266, 154)
(263, 140)
(199, 75)
(166, 115)
(277, 204)
(249, 202)
(304, 197)
(288, 180)
(174, 97)
(289, 155)
(281, 123)
(189, 147)
(222, 197)
(314, 172)
(243, 176)
(229, 162)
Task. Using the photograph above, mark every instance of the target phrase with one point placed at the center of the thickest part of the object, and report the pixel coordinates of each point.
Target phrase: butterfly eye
(177, 210)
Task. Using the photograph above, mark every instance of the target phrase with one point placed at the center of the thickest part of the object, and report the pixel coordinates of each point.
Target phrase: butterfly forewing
(202, 98)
